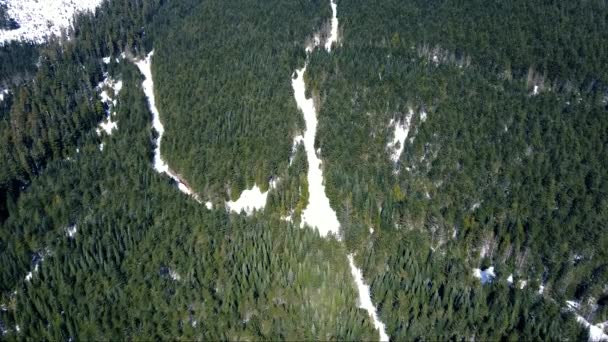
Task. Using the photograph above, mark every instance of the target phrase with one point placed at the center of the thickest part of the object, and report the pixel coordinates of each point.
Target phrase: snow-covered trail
(160, 165)
(318, 213)
(365, 301)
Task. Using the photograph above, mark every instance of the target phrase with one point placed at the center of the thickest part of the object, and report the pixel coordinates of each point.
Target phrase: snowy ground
(249, 200)
(596, 332)
(40, 19)
(318, 212)
(401, 131)
(486, 276)
(365, 301)
(109, 89)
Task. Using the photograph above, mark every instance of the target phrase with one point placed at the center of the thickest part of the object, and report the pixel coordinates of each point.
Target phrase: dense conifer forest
(503, 165)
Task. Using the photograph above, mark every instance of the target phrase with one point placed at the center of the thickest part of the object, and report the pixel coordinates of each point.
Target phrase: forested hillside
(457, 141)
(230, 115)
(503, 164)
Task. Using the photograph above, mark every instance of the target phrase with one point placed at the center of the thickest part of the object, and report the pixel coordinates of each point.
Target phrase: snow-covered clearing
(365, 301)
(402, 129)
(40, 19)
(145, 68)
(486, 276)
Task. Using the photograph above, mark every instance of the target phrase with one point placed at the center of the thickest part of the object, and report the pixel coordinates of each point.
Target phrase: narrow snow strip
(365, 300)
(40, 19)
(402, 130)
(333, 36)
(318, 212)
(145, 68)
(2, 93)
(596, 333)
(250, 200)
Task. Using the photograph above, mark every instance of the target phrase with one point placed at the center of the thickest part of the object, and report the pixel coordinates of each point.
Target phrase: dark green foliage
(224, 88)
(239, 278)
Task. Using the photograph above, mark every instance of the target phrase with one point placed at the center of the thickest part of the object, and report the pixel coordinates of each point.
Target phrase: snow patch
(71, 231)
(365, 300)
(333, 36)
(40, 19)
(541, 289)
(401, 131)
(423, 116)
(486, 276)
(250, 200)
(3, 92)
(109, 91)
(106, 60)
(535, 90)
(510, 279)
(174, 275)
(522, 284)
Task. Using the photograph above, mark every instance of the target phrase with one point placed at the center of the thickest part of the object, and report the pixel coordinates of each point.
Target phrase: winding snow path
(318, 213)
(160, 165)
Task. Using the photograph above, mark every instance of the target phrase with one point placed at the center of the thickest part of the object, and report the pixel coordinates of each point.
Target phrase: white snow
(365, 300)
(318, 212)
(71, 231)
(101, 147)
(30, 274)
(333, 37)
(109, 91)
(541, 289)
(249, 200)
(522, 284)
(209, 205)
(298, 139)
(160, 165)
(401, 131)
(596, 332)
(535, 91)
(423, 116)
(2, 93)
(106, 60)
(174, 275)
(371, 230)
(486, 276)
(40, 19)
(107, 126)
(510, 279)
